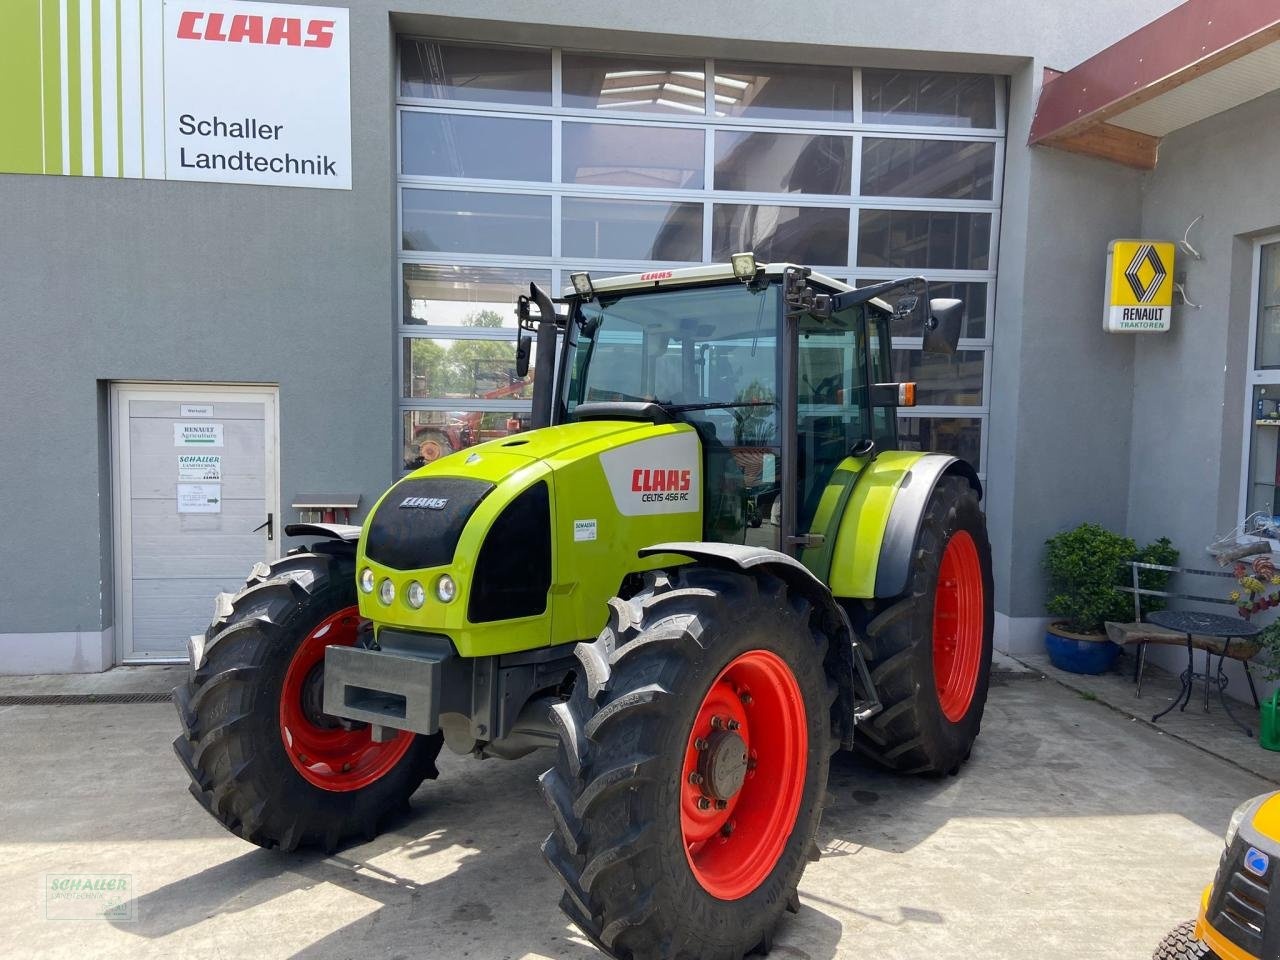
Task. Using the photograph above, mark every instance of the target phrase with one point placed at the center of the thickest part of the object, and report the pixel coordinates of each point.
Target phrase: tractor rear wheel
(930, 649)
(434, 445)
(264, 759)
(692, 767)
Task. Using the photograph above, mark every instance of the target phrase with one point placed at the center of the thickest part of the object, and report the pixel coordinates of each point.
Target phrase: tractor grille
(513, 571)
(1238, 907)
(419, 521)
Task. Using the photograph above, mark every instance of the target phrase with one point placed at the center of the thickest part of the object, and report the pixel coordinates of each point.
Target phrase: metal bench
(1226, 636)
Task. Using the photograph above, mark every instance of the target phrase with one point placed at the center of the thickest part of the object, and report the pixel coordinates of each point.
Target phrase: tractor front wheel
(263, 757)
(930, 649)
(693, 761)
(1181, 944)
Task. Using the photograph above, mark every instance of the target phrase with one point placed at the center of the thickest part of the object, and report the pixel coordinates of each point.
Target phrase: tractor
(702, 571)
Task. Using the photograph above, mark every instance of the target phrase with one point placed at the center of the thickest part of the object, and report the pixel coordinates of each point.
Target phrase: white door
(196, 505)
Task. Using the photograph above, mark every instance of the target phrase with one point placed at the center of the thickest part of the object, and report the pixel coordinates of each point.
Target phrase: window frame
(1253, 376)
(559, 266)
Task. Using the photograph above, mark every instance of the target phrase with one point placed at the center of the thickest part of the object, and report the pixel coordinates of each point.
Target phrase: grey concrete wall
(1188, 413)
(1189, 386)
(103, 280)
(145, 280)
(1073, 406)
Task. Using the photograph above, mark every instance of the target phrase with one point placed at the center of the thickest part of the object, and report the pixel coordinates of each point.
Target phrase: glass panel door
(1264, 461)
(1260, 481)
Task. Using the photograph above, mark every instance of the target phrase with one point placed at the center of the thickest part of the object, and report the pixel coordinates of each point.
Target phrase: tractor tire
(263, 759)
(929, 650)
(692, 767)
(1181, 944)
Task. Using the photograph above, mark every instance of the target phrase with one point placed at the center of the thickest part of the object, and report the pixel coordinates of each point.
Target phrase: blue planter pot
(1080, 656)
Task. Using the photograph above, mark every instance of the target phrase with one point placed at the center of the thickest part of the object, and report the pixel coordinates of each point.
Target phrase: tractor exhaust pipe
(544, 363)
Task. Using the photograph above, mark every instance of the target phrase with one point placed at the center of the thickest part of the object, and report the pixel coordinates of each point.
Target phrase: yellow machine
(1236, 921)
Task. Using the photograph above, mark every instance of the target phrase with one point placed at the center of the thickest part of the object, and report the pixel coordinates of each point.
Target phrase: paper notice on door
(199, 498)
(195, 466)
(197, 434)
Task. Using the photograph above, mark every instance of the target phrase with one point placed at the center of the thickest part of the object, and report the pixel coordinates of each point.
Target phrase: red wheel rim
(733, 842)
(330, 757)
(958, 623)
(431, 450)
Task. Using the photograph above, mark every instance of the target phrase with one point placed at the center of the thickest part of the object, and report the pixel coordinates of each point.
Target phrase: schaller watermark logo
(89, 896)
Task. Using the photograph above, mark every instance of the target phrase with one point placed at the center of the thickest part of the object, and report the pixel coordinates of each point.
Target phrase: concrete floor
(1211, 730)
(1074, 832)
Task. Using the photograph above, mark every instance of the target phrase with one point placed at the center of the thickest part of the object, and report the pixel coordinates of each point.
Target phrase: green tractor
(703, 570)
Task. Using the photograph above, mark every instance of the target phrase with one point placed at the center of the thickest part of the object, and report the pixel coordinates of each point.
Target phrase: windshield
(694, 348)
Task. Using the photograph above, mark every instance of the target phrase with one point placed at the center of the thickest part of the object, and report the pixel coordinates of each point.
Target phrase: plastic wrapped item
(1257, 534)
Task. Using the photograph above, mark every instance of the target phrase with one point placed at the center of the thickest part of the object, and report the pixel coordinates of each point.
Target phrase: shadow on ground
(498, 900)
(462, 876)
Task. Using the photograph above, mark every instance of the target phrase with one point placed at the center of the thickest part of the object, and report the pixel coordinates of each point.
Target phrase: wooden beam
(1192, 39)
(1108, 142)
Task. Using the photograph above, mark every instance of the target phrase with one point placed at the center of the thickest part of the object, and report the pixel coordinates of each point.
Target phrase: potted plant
(1084, 567)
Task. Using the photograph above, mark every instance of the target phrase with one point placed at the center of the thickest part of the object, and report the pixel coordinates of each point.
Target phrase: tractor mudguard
(788, 569)
(330, 531)
(846, 665)
(906, 515)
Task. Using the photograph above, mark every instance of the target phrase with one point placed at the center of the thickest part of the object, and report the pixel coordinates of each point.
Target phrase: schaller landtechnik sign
(223, 91)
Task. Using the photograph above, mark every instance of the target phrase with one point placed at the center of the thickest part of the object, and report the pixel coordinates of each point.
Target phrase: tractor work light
(446, 589)
(744, 266)
(386, 591)
(414, 595)
(582, 285)
(366, 580)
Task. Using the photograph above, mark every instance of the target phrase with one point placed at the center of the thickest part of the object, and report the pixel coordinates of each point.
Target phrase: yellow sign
(1139, 286)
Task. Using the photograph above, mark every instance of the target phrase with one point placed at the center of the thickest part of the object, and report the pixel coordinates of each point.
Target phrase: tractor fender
(907, 513)
(788, 569)
(846, 665)
(347, 532)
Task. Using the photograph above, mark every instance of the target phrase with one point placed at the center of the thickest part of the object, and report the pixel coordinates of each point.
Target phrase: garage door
(195, 506)
(520, 164)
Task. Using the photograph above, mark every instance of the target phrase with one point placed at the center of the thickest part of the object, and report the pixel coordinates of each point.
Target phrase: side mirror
(523, 347)
(942, 327)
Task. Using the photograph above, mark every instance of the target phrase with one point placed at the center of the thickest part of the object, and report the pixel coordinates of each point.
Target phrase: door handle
(269, 524)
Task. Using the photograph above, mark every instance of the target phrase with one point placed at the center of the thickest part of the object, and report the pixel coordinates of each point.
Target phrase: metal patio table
(1206, 625)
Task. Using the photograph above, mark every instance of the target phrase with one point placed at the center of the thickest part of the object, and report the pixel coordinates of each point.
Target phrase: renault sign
(1139, 286)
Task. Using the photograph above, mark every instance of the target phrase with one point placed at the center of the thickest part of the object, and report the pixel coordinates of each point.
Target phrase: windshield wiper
(722, 405)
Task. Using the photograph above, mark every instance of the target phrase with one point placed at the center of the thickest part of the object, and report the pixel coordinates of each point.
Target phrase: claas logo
(654, 481)
(249, 28)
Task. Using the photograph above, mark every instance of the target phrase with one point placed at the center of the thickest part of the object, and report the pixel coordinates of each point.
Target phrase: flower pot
(1078, 652)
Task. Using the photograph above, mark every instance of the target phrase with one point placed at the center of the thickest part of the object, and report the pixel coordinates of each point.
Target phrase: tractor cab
(784, 373)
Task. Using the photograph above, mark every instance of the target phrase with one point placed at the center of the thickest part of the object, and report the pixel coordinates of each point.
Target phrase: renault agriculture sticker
(1256, 862)
(1139, 286)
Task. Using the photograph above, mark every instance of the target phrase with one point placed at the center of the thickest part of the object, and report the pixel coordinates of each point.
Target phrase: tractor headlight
(1239, 816)
(386, 591)
(414, 595)
(446, 589)
(744, 266)
(366, 580)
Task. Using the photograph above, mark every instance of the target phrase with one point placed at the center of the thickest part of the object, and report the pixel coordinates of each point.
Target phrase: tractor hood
(528, 533)
(497, 459)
